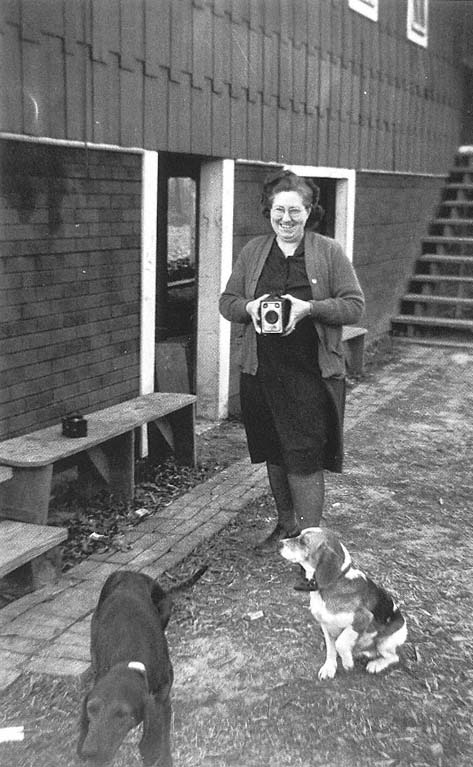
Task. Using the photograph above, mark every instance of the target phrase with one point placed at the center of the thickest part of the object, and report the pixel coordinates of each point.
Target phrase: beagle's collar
(312, 585)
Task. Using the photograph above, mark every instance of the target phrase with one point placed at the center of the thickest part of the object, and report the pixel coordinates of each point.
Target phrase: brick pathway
(48, 631)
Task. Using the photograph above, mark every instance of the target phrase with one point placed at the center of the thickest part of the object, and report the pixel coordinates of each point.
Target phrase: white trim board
(344, 200)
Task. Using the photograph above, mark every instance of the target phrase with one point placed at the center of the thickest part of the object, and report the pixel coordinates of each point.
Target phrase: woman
(292, 386)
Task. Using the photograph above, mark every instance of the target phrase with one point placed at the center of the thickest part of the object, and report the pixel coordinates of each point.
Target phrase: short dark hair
(287, 181)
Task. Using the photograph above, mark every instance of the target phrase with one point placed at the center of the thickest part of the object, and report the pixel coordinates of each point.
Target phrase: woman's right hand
(253, 309)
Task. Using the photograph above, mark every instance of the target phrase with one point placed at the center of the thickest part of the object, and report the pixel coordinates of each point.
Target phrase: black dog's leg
(155, 746)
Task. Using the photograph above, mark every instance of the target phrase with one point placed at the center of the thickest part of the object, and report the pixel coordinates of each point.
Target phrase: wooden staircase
(438, 307)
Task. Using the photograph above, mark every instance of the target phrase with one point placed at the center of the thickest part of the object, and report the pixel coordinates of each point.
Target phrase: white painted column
(149, 205)
(215, 265)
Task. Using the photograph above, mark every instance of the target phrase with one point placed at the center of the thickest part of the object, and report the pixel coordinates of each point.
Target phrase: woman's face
(288, 216)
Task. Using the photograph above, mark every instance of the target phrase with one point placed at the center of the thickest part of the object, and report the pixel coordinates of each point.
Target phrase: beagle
(357, 617)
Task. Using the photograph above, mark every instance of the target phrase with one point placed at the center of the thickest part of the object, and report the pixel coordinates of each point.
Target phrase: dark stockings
(299, 498)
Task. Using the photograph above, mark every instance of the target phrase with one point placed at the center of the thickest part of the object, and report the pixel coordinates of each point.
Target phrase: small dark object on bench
(74, 426)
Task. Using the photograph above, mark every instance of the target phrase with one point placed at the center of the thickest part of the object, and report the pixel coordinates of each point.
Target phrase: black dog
(132, 669)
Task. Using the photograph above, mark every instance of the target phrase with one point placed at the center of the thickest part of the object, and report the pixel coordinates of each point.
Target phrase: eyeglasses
(294, 213)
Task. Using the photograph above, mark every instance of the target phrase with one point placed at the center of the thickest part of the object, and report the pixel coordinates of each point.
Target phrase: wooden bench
(32, 550)
(354, 344)
(109, 445)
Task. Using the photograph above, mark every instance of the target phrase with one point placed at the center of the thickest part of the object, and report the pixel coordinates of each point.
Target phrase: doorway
(176, 272)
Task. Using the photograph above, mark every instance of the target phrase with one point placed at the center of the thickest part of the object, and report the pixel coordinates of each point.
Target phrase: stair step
(433, 322)
(458, 185)
(457, 203)
(21, 542)
(428, 341)
(440, 278)
(431, 299)
(445, 239)
(461, 169)
(444, 259)
(452, 222)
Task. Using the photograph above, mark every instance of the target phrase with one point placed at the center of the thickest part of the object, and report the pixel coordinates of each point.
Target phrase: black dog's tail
(188, 582)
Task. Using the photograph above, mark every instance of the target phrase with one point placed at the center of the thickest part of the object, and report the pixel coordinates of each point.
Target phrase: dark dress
(287, 410)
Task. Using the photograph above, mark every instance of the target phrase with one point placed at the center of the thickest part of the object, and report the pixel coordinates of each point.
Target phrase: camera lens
(271, 317)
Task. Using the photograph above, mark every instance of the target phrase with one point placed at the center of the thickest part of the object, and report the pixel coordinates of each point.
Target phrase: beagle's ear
(328, 565)
(154, 745)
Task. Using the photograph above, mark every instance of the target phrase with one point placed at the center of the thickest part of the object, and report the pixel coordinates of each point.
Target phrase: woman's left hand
(299, 310)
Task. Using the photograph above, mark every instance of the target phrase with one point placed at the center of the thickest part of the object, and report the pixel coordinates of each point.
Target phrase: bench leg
(183, 428)
(32, 575)
(114, 461)
(25, 497)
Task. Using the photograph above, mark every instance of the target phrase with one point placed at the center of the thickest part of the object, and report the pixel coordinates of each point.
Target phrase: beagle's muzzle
(357, 617)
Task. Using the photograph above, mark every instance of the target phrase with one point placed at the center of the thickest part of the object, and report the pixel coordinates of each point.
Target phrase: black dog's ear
(155, 744)
(83, 726)
(162, 602)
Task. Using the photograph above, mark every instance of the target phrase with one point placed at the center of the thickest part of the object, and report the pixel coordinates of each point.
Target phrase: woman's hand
(299, 310)
(253, 309)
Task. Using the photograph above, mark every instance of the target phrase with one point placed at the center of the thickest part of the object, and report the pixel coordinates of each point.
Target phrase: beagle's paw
(347, 663)
(379, 664)
(327, 671)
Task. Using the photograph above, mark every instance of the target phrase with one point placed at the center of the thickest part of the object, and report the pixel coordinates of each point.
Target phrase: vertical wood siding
(301, 81)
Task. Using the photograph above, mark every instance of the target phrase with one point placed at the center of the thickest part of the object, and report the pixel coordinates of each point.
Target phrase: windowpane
(368, 8)
(417, 21)
(181, 256)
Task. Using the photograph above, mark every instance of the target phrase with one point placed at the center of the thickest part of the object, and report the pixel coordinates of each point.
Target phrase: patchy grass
(246, 651)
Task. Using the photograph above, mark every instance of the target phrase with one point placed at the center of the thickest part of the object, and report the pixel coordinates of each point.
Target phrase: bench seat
(109, 445)
(20, 543)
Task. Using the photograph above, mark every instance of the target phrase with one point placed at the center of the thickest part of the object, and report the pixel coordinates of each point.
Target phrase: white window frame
(417, 32)
(368, 8)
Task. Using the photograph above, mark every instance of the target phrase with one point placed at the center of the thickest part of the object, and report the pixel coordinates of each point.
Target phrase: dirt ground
(244, 646)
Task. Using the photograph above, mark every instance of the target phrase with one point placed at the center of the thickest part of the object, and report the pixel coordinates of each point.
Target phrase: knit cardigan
(337, 298)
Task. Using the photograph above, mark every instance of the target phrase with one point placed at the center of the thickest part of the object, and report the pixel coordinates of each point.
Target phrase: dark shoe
(272, 541)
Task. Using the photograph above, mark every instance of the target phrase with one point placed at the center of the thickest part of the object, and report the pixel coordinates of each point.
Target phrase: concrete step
(457, 186)
(433, 322)
(447, 240)
(429, 341)
(457, 203)
(425, 298)
(457, 258)
(448, 279)
(452, 222)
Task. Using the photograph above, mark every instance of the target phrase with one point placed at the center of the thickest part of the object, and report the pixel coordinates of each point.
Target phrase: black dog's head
(119, 701)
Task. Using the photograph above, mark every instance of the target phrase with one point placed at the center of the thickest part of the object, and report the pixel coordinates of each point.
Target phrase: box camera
(74, 425)
(274, 315)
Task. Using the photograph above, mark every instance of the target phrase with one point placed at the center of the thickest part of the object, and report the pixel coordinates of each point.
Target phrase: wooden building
(135, 135)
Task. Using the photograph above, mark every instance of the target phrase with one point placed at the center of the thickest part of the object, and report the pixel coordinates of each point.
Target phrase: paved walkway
(48, 631)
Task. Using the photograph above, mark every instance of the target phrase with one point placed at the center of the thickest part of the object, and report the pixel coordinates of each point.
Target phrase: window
(181, 255)
(417, 21)
(368, 8)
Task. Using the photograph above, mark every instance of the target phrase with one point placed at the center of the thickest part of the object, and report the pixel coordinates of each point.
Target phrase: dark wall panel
(70, 286)
(392, 214)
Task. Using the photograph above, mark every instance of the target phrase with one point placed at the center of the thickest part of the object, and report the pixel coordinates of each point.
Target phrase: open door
(176, 272)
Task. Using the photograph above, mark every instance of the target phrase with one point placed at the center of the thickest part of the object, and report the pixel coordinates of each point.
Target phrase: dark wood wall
(392, 214)
(301, 81)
